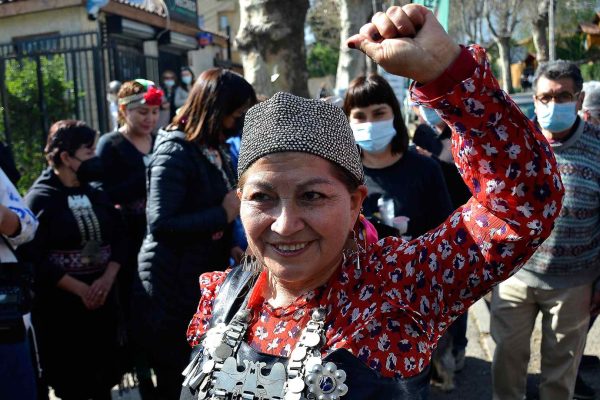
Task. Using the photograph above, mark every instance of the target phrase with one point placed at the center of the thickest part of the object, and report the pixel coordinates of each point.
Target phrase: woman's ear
(65, 158)
(357, 198)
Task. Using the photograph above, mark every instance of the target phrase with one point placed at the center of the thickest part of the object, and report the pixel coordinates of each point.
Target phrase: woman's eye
(312, 196)
(259, 197)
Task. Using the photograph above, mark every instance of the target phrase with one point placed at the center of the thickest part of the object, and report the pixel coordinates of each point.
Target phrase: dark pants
(17, 376)
(458, 329)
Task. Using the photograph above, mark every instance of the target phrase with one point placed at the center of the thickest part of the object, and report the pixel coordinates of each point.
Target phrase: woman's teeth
(290, 247)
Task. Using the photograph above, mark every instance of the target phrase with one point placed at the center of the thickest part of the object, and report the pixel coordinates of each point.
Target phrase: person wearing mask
(17, 226)
(557, 281)
(191, 206)
(77, 252)
(590, 108)
(183, 90)
(167, 108)
(125, 154)
(407, 186)
(113, 106)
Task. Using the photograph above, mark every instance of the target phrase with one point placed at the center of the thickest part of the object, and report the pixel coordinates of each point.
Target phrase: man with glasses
(558, 279)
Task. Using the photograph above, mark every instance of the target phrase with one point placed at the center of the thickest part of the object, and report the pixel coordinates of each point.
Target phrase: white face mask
(374, 137)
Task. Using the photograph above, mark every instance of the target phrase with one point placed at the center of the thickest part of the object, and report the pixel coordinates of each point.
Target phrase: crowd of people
(309, 250)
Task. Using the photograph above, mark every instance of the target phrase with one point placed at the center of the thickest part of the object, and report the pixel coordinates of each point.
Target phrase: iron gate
(49, 79)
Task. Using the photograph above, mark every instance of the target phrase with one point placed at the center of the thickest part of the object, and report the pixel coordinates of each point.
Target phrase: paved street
(474, 382)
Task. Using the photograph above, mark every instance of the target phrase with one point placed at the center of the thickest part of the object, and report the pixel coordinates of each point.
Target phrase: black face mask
(90, 170)
(237, 127)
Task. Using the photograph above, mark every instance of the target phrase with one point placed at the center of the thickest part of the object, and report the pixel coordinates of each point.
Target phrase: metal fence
(48, 79)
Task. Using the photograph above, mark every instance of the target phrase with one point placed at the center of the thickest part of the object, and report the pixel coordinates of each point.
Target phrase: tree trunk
(353, 15)
(540, 25)
(504, 49)
(271, 38)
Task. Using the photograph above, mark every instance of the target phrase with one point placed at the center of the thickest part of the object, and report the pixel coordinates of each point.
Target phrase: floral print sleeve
(517, 193)
(209, 287)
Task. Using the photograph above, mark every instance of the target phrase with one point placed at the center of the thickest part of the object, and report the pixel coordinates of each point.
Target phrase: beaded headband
(287, 123)
(152, 96)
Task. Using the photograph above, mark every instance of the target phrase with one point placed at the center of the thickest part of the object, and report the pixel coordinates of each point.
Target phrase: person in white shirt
(17, 226)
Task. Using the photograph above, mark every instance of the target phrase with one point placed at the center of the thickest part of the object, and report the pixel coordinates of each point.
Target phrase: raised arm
(504, 159)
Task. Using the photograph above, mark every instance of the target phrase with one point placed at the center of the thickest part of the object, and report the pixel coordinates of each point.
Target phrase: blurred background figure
(401, 183)
(77, 252)
(192, 203)
(17, 226)
(167, 108)
(590, 108)
(113, 107)
(185, 87)
(125, 153)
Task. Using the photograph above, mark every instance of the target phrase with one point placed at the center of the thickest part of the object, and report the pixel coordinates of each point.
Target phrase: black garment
(428, 139)
(7, 164)
(363, 383)
(416, 185)
(125, 183)
(187, 234)
(78, 347)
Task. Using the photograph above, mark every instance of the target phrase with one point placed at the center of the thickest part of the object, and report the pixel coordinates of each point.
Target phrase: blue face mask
(556, 117)
(374, 137)
(186, 79)
(430, 115)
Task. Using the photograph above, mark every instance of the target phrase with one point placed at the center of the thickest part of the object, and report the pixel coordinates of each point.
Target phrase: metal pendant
(249, 381)
(326, 383)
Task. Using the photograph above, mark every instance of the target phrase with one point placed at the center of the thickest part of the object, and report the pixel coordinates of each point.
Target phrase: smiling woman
(318, 313)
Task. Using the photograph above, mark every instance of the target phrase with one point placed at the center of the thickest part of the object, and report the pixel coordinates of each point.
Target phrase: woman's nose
(289, 220)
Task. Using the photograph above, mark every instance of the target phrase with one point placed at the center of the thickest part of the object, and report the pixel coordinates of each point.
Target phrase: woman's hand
(101, 287)
(407, 41)
(231, 204)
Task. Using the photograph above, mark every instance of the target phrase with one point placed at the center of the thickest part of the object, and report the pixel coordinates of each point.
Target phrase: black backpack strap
(232, 294)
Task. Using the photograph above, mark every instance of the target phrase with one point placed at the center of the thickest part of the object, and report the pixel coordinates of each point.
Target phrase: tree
(271, 38)
(502, 18)
(467, 20)
(323, 19)
(539, 28)
(353, 15)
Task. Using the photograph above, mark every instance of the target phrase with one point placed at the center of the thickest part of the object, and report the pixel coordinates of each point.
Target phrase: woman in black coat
(191, 205)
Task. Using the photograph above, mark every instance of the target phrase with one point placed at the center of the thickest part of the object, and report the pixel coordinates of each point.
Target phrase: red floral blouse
(392, 310)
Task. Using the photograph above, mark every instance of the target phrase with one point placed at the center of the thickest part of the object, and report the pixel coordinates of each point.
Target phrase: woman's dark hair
(365, 91)
(216, 94)
(188, 69)
(67, 135)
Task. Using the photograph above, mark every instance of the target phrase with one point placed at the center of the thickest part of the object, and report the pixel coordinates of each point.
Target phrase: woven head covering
(289, 123)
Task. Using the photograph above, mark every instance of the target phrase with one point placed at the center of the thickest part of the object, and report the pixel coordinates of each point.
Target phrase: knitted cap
(289, 123)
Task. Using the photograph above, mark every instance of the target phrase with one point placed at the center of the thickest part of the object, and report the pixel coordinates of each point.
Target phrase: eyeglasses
(562, 97)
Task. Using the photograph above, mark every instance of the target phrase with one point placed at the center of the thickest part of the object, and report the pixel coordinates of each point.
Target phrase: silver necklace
(220, 377)
(89, 228)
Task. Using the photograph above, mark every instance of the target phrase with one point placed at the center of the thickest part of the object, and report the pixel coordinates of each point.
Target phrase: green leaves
(26, 119)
